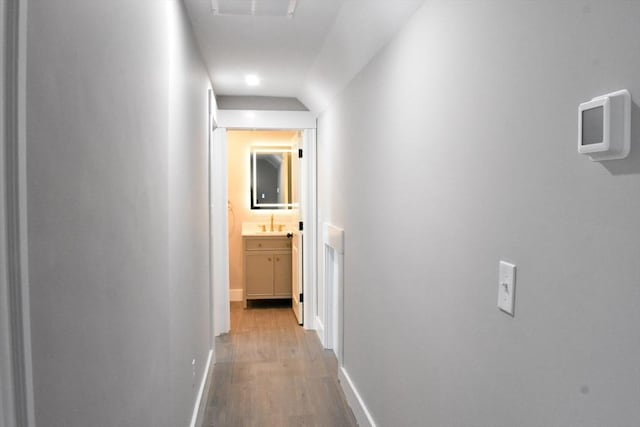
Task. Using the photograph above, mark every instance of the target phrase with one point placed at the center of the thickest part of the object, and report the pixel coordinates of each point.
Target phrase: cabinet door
(259, 274)
(282, 275)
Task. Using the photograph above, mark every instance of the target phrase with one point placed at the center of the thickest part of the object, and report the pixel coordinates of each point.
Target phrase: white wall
(118, 227)
(455, 148)
(190, 334)
(267, 103)
(6, 401)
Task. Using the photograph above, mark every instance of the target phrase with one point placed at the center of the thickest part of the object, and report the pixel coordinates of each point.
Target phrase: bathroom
(263, 218)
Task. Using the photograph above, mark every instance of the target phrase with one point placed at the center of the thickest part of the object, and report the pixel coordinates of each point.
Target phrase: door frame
(211, 126)
(264, 120)
(220, 231)
(16, 385)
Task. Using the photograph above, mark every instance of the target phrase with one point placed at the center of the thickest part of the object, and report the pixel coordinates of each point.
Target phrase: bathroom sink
(253, 229)
(265, 233)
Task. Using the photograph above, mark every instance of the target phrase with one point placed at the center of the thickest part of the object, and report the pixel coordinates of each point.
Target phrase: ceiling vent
(283, 8)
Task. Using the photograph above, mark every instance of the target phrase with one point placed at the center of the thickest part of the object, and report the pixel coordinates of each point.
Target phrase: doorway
(226, 210)
(264, 213)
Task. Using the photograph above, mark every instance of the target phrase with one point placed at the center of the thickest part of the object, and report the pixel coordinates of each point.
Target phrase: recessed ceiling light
(252, 80)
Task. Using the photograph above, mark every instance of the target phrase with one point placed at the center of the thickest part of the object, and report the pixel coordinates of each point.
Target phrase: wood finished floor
(271, 372)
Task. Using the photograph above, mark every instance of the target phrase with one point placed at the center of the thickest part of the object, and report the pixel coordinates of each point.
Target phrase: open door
(297, 287)
(296, 276)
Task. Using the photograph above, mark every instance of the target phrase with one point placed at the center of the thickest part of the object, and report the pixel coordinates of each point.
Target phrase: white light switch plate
(506, 287)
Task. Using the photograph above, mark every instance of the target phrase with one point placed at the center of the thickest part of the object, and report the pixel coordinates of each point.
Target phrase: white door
(296, 275)
(297, 239)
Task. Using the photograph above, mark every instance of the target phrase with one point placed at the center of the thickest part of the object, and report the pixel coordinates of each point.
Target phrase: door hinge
(299, 153)
(301, 298)
(300, 226)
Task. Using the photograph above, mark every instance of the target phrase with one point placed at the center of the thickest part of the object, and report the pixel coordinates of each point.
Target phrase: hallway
(487, 268)
(271, 372)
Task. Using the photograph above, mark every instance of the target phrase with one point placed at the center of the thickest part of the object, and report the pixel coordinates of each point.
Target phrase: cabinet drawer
(266, 244)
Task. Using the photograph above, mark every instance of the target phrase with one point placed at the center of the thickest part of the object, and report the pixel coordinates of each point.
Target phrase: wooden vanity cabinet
(267, 267)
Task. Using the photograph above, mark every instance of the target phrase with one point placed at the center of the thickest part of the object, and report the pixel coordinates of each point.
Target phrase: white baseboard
(235, 294)
(320, 331)
(360, 411)
(197, 418)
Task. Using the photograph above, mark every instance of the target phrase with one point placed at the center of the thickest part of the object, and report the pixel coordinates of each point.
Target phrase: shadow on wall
(630, 165)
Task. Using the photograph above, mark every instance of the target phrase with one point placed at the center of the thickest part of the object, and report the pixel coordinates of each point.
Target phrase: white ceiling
(310, 57)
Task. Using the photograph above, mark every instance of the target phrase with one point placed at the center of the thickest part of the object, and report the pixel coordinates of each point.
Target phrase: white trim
(7, 415)
(256, 119)
(214, 111)
(266, 120)
(22, 197)
(210, 128)
(17, 396)
(360, 410)
(220, 230)
(333, 276)
(320, 331)
(197, 417)
(310, 220)
(235, 295)
(333, 237)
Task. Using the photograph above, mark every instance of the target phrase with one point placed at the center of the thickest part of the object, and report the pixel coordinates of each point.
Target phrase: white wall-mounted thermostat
(604, 126)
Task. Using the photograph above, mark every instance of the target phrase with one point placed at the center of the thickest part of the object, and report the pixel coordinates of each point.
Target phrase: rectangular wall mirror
(272, 178)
